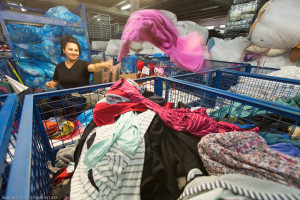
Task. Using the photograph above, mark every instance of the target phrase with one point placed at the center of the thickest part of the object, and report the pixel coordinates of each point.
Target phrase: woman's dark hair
(64, 40)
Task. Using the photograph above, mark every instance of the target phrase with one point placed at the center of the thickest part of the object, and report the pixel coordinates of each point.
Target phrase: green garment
(277, 138)
(240, 110)
(126, 134)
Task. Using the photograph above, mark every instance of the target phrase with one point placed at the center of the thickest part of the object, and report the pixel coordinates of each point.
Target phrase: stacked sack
(38, 48)
(274, 39)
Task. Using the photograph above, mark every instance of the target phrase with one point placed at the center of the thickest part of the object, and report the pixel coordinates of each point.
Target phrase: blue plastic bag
(128, 64)
(86, 117)
(34, 81)
(24, 33)
(23, 54)
(31, 69)
(85, 55)
(82, 41)
(47, 51)
(68, 30)
(49, 68)
(61, 12)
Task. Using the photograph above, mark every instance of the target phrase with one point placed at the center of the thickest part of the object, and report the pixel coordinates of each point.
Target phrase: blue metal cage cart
(129, 64)
(10, 114)
(34, 147)
(247, 81)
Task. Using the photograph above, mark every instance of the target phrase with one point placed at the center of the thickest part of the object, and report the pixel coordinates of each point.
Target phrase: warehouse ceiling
(192, 10)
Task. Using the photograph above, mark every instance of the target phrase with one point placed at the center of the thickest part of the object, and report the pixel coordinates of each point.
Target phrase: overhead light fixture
(210, 27)
(121, 3)
(23, 9)
(126, 7)
(210, 8)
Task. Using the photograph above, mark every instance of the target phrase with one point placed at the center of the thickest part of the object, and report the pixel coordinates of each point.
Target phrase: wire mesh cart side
(259, 86)
(34, 149)
(10, 115)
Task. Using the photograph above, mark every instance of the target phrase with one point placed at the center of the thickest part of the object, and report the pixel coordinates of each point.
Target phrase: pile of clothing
(143, 148)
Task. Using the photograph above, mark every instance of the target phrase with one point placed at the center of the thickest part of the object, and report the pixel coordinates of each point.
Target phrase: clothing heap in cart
(143, 148)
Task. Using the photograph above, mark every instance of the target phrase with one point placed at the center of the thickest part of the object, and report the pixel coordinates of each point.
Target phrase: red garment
(117, 92)
(105, 113)
(169, 105)
(62, 176)
(195, 122)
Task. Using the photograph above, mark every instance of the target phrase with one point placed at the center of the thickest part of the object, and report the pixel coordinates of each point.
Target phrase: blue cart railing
(35, 148)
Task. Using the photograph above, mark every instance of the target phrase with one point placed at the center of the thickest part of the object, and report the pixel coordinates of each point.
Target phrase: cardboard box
(131, 76)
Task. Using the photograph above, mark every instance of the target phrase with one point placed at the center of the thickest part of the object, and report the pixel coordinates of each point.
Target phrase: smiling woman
(73, 72)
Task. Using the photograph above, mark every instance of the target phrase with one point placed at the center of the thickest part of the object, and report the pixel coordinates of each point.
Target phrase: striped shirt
(117, 175)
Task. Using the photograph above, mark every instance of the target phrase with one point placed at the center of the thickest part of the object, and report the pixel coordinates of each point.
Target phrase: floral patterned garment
(247, 153)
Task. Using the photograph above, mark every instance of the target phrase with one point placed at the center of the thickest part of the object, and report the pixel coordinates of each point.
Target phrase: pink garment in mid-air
(152, 26)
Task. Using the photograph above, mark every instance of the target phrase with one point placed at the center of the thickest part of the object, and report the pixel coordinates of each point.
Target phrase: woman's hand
(49, 85)
(109, 64)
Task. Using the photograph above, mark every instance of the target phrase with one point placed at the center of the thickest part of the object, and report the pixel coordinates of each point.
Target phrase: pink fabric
(152, 26)
(247, 153)
(197, 122)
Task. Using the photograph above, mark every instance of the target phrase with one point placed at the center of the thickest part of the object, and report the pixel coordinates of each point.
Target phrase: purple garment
(286, 148)
(152, 26)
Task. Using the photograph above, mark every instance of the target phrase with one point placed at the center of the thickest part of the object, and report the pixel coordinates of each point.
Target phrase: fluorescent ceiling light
(126, 7)
(210, 8)
(210, 27)
(222, 26)
(23, 9)
(121, 3)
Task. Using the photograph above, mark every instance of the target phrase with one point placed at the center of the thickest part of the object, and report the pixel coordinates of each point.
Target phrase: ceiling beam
(223, 3)
(190, 7)
(89, 6)
(199, 21)
(204, 15)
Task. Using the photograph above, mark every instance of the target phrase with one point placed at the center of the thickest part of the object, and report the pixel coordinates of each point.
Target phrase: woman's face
(71, 51)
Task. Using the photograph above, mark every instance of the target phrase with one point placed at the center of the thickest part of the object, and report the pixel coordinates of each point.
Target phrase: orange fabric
(50, 127)
(298, 46)
(295, 55)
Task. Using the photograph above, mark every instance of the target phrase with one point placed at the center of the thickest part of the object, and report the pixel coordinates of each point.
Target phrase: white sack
(228, 50)
(279, 27)
(185, 27)
(147, 45)
(99, 45)
(157, 50)
(136, 46)
(276, 62)
(113, 47)
(147, 51)
(169, 15)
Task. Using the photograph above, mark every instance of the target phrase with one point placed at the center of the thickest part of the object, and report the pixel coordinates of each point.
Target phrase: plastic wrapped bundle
(47, 51)
(24, 33)
(51, 37)
(23, 54)
(84, 55)
(47, 67)
(56, 30)
(35, 81)
(61, 12)
(68, 30)
(82, 41)
(31, 69)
